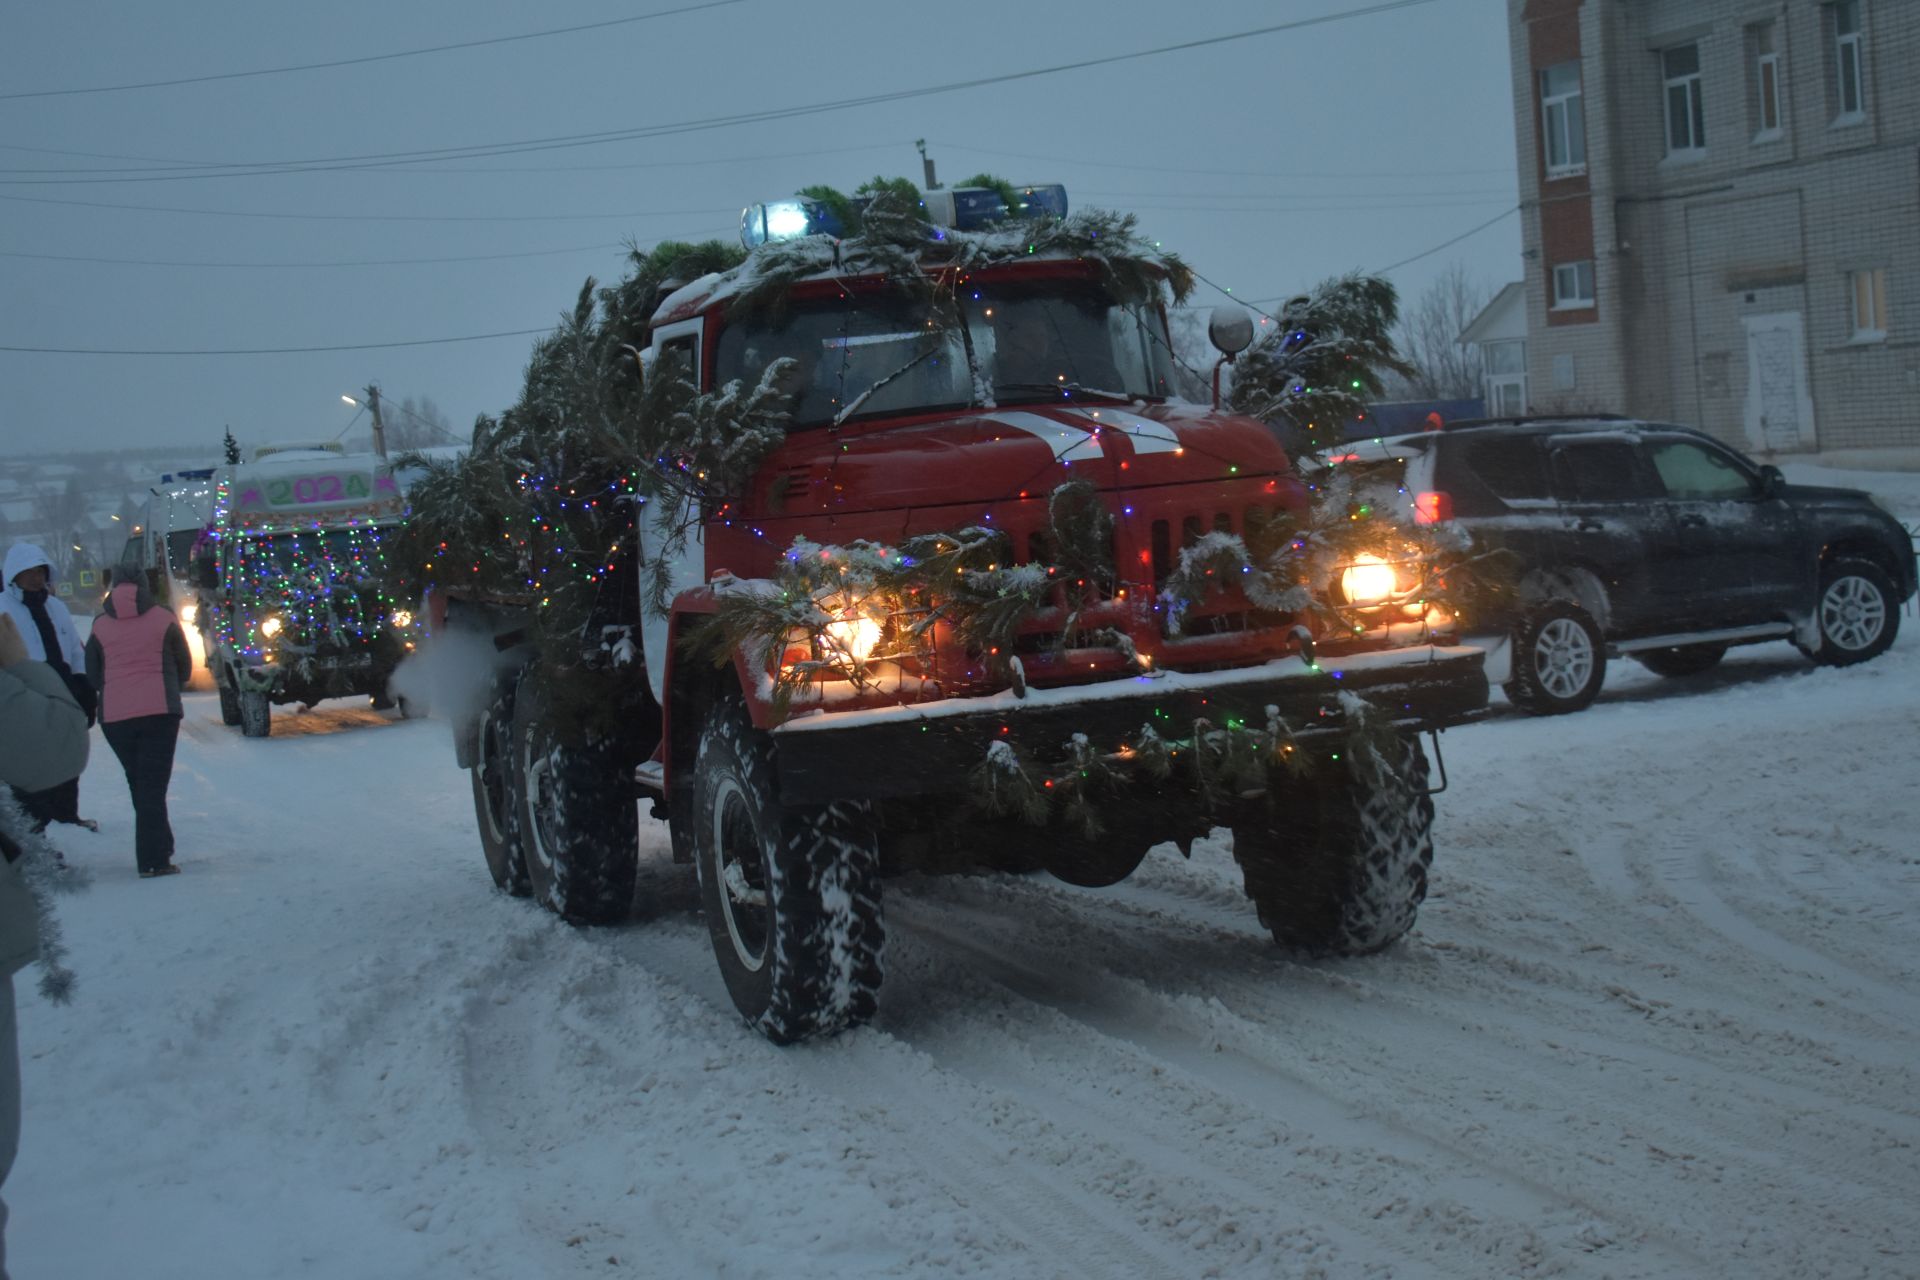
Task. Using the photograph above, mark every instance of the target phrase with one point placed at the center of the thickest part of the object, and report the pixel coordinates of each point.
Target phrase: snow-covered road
(1660, 1017)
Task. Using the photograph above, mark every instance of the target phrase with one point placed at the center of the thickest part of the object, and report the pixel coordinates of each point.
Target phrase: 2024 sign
(305, 491)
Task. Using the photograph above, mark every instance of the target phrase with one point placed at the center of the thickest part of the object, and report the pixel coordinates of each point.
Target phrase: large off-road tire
(579, 821)
(496, 800)
(1559, 660)
(1336, 860)
(1858, 613)
(1685, 660)
(229, 702)
(256, 714)
(791, 894)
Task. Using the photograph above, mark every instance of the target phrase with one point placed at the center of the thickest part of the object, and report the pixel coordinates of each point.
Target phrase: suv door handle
(1588, 526)
(1693, 520)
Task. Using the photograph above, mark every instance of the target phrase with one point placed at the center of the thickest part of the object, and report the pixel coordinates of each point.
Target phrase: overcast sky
(1269, 162)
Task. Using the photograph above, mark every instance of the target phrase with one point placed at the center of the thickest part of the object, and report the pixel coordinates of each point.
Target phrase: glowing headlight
(855, 636)
(271, 625)
(402, 618)
(1369, 581)
(188, 612)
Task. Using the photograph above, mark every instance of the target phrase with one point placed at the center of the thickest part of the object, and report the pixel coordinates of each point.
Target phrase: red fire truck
(1301, 736)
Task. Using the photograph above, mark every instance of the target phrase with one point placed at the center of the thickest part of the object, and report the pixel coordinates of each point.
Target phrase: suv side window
(1691, 470)
(1600, 471)
(1513, 469)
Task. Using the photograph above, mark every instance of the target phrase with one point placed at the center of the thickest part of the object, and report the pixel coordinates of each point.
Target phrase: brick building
(1721, 215)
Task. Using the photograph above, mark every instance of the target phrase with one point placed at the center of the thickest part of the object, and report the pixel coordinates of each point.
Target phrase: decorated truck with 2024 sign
(986, 594)
(298, 601)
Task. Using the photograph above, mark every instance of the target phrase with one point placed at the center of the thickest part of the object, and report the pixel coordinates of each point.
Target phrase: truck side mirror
(1230, 329)
(206, 572)
(1772, 480)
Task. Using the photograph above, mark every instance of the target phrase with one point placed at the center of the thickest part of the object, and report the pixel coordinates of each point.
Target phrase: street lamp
(373, 408)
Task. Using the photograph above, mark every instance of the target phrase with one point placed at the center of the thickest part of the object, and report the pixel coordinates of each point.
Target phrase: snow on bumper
(928, 748)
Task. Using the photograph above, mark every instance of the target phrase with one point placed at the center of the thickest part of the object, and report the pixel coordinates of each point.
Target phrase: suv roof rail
(1523, 419)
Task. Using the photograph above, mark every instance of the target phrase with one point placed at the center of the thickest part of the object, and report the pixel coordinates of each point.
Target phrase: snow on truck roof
(821, 256)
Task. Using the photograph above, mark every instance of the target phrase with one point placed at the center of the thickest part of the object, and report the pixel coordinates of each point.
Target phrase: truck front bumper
(930, 748)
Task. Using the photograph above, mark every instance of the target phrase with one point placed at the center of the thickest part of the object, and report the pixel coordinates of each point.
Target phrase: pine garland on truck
(544, 506)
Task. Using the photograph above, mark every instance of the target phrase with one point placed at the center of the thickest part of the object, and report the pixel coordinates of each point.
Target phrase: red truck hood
(993, 455)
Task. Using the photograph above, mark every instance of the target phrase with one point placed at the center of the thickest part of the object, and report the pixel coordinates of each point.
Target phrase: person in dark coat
(138, 660)
(46, 625)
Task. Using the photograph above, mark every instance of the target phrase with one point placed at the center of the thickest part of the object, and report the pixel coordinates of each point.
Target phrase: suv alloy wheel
(1559, 659)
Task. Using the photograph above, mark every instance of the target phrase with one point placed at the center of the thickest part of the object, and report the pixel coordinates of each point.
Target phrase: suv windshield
(866, 354)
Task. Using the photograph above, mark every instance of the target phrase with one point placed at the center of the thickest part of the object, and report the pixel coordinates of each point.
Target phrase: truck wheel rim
(539, 781)
(493, 781)
(1563, 657)
(739, 867)
(1852, 614)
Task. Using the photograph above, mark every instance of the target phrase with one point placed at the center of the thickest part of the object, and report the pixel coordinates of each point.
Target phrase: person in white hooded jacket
(46, 625)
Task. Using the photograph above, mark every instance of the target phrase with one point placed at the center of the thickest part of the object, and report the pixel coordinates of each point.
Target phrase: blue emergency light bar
(787, 220)
(962, 208)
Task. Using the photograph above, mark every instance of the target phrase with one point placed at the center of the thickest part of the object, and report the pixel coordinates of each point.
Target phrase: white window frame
(1563, 118)
(1849, 56)
(1867, 299)
(1767, 87)
(1497, 383)
(1689, 85)
(1572, 272)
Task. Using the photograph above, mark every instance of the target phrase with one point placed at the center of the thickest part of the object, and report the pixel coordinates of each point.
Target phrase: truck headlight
(402, 618)
(1369, 580)
(271, 625)
(189, 612)
(855, 636)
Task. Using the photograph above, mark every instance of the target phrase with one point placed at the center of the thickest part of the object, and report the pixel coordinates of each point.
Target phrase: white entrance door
(1779, 411)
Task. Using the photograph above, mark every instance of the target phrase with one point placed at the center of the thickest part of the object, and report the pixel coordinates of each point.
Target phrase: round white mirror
(1230, 329)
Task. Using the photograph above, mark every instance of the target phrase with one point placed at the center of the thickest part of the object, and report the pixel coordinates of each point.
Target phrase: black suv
(1645, 539)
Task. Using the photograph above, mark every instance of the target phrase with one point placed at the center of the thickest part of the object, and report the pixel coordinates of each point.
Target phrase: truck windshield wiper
(1054, 388)
(854, 404)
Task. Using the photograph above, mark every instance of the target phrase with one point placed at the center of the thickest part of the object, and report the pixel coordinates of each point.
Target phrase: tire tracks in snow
(1720, 1149)
(963, 1150)
(1443, 1183)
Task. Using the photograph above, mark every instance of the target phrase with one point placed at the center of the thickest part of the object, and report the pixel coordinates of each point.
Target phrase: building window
(1686, 112)
(1572, 285)
(1869, 289)
(1765, 89)
(1850, 97)
(1504, 365)
(1563, 119)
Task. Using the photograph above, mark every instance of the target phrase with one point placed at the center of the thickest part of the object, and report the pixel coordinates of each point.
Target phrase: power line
(565, 141)
(272, 351)
(1424, 253)
(1448, 244)
(1218, 173)
(164, 169)
(369, 262)
(375, 217)
(374, 57)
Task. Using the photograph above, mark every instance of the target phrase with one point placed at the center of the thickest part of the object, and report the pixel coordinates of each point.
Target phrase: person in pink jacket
(138, 659)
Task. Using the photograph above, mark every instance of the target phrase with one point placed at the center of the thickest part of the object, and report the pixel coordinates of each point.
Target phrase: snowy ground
(1660, 1017)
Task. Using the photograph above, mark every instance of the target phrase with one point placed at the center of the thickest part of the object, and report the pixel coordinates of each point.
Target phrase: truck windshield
(861, 355)
(306, 561)
(1051, 343)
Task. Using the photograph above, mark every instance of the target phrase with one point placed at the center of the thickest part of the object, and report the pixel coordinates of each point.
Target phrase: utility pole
(379, 428)
(926, 163)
